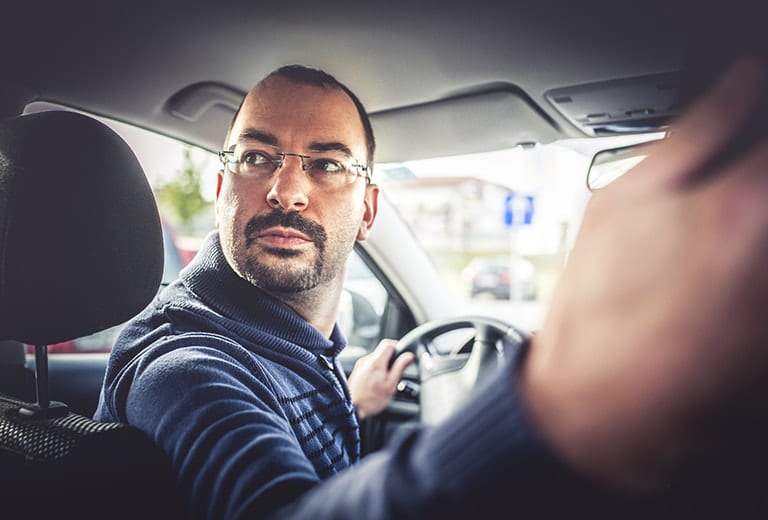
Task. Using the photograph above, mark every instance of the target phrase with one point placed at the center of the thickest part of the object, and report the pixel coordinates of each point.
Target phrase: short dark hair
(319, 78)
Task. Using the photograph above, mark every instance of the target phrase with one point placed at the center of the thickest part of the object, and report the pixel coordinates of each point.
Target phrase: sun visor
(482, 122)
(624, 106)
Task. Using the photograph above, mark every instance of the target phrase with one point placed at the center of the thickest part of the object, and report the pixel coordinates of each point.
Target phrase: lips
(283, 237)
(284, 230)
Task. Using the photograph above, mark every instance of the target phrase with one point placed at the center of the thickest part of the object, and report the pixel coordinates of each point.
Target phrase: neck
(319, 305)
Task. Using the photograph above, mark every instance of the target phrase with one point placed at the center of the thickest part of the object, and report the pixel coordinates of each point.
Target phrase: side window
(362, 306)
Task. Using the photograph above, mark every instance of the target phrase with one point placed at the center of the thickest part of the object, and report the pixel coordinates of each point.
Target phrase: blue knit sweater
(249, 403)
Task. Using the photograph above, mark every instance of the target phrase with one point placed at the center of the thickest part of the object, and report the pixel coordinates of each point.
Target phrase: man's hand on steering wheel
(373, 382)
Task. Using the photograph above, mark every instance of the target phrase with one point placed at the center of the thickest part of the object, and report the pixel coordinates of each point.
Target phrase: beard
(284, 277)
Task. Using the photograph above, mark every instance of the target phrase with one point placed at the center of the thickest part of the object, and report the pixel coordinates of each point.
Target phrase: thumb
(399, 365)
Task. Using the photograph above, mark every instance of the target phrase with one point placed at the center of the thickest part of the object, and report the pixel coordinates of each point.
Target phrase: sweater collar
(212, 279)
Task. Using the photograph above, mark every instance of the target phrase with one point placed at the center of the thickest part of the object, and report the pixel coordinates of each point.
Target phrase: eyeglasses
(333, 169)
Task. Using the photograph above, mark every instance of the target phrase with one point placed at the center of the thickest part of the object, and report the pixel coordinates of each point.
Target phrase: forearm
(485, 457)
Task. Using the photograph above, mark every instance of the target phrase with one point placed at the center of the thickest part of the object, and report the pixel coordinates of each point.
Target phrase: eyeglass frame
(279, 163)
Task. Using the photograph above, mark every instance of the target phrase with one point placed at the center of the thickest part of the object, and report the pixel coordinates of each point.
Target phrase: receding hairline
(301, 75)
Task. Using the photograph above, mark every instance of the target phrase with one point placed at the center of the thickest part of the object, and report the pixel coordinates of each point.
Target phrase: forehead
(298, 114)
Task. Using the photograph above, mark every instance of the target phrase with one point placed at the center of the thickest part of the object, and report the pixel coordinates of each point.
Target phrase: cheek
(232, 206)
(346, 219)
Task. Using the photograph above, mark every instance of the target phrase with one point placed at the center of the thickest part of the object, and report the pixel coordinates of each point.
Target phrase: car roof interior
(439, 78)
(479, 77)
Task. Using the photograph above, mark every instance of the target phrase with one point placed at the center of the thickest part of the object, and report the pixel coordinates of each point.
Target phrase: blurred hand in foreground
(656, 344)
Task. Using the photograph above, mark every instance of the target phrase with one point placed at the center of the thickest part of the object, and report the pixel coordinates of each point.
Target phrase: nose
(290, 186)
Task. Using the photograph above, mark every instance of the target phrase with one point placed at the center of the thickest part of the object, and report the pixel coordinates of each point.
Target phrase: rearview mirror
(609, 165)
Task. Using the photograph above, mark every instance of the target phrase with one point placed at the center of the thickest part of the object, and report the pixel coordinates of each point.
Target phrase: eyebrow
(329, 146)
(252, 134)
(270, 139)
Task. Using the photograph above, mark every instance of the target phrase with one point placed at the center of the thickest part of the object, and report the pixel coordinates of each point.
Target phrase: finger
(384, 351)
(707, 127)
(398, 367)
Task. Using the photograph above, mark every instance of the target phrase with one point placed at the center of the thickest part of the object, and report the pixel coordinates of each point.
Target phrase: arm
(208, 409)
(234, 458)
(483, 459)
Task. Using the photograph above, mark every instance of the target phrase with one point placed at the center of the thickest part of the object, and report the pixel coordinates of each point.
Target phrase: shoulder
(197, 356)
(186, 370)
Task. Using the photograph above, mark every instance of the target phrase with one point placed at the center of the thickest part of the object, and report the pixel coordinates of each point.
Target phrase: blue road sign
(518, 209)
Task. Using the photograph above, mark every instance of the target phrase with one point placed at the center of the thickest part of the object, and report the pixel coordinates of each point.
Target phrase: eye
(253, 158)
(327, 166)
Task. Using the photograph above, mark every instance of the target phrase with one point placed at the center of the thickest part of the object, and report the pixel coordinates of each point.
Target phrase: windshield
(498, 226)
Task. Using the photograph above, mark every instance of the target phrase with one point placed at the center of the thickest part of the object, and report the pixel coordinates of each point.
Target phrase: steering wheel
(447, 378)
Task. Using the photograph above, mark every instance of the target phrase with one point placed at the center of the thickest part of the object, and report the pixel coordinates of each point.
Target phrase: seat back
(80, 251)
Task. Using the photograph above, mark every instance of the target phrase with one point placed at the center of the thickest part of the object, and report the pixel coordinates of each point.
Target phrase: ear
(219, 181)
(371, 202)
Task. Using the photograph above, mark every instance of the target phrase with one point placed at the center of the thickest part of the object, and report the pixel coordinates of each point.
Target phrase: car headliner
(439, 78)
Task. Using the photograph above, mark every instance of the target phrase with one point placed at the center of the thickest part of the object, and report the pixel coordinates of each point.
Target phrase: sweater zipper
(331, 366)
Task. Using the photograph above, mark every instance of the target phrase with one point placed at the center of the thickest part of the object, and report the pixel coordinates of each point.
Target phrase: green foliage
(182, 198)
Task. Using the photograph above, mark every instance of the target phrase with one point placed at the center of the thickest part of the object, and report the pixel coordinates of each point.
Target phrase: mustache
(288, 219)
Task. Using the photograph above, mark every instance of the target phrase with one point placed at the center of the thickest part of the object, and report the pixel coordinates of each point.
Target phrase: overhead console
(631, 105)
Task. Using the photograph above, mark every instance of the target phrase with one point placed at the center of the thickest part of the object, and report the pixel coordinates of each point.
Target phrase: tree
(182, 197)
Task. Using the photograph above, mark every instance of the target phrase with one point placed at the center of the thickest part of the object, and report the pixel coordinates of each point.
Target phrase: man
(232, 369)
(270, 303)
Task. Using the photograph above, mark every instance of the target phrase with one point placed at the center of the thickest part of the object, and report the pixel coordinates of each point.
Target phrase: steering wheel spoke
(447, 379)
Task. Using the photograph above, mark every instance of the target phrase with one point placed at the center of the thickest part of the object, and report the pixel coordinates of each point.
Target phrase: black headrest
(81, 244)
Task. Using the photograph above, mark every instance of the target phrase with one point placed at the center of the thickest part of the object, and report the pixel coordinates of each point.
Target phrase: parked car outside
(503, 277)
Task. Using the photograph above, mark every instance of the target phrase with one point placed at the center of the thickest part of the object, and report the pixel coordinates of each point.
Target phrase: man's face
(285, 232)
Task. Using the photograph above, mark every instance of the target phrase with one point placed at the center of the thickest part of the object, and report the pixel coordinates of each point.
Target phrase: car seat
(80, 251)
